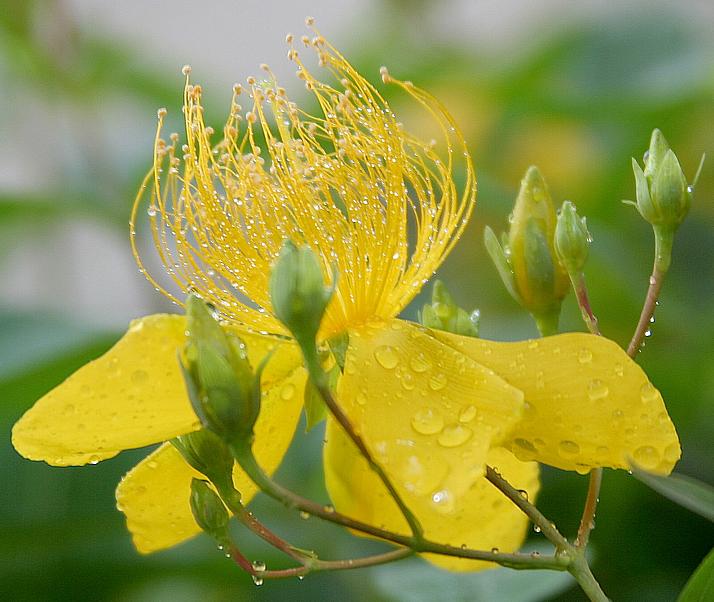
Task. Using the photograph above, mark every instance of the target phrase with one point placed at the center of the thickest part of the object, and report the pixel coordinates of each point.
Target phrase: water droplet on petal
(597, 389)
(585, 356)
(386, 356)
(467, 414)
(648, 393)
(287, 392)
(672, 452)
(419, 363)
(139, 376)
(454, 435)
(444, 501)
(568, 449)
(408, 381)
(647, 457)
(427, 421)
(525, 445)
(438, 381)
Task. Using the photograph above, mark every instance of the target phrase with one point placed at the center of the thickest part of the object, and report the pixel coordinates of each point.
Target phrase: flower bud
(526, 260)
(222, 387)
(572, 239)
(205, 452)
(208, 510)
(663, 196)
(444, 314)
(298, 292)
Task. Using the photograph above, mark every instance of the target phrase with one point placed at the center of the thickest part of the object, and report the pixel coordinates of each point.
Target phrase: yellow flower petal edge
(481, 517)
(154, 495)
(428, 413)
(134, 395)
(131, 396)
(588, 403)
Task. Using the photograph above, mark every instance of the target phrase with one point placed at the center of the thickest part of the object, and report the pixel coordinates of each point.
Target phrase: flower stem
(546, 526)
(581, 571)
(663, 257)
(319, 378)
(249, 464)
(587, 520)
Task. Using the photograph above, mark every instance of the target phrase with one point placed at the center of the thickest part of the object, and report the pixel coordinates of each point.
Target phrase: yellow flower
(382, 207)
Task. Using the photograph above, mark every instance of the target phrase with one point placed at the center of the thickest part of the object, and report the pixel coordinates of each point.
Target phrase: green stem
(546, 526)
(581, 571)
(319, 378)
(248, 462)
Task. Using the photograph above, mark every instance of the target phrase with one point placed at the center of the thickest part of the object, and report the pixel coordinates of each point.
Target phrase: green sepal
(208, 509)
(500, 260)
(315, 408)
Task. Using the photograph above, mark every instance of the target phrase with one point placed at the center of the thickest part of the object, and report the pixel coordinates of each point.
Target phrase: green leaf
(700, 587)
(683, 490)
(414, 580)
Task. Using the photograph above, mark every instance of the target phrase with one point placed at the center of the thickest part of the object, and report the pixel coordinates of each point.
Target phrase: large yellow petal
(588, 404)
(133, 395)
(428, 413)
(481, 517)
(154, 495)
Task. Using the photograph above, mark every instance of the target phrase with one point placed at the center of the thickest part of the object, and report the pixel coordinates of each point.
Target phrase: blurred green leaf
(683, 490)
(700, 587)
(414, 581)
(31, 338)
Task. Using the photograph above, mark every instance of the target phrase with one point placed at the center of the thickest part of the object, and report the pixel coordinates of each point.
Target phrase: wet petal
(133, 395)
(428, 413)
(481, 517)
(154, 494)
(588, 403)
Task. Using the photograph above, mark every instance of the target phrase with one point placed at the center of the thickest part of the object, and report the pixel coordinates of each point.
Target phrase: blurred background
(575, 88)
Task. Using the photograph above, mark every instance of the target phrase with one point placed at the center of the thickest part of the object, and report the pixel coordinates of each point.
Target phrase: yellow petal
(481, 517)
(133, 395)
(429, 415)
(588, 404)
(154, 494)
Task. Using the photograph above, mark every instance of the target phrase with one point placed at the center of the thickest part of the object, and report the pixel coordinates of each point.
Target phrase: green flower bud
(572, 239)
(222, 387)
(208, 510)
(663, 195)
(298, 293)
(444, 314)
(526, 261)
(205, 452)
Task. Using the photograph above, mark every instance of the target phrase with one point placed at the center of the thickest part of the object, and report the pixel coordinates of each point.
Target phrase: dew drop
(408, 381)
(647, 457)
(525, 445)
(139, 376)
(568, 449)
(536, 528)
(94, 459)
(287, 392)
(467, 414)
(438, 381)
(361, 398)
(672, 452)
(419, 363)
(602, 451)
(648, 393)
(597, 389)
(444, 501)
(619, 370)
(427, 421)
(454, 435)
(386, 356)
(304, 515)
(585, 356)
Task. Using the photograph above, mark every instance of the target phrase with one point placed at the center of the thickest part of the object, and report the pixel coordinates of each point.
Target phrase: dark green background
(579, 103)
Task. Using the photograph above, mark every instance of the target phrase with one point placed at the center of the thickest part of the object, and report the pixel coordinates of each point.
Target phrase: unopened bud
(443, 314)
(527, 261)
(205, 452)
(298, 292)
(222, 387)
(663, 196)
(572, 239)
(208, 510)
